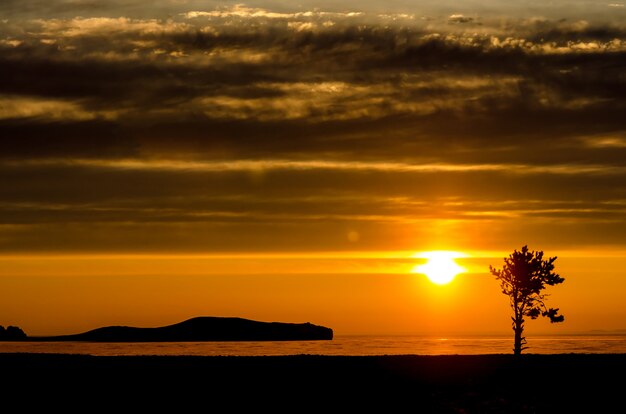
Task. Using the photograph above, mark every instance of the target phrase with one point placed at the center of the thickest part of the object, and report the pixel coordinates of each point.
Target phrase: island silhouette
(203, 328)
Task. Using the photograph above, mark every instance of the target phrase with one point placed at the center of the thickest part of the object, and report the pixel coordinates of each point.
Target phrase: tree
(523, 277)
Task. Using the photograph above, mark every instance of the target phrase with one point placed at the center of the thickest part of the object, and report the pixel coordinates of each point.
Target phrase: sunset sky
(291, 161)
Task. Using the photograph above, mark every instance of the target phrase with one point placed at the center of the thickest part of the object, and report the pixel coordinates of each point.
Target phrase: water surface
(340, 345)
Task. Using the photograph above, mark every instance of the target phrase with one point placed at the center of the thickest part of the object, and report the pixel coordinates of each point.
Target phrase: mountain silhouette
(204, 328)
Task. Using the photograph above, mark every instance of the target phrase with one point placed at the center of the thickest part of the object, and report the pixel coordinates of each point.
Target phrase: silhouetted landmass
(204, 328)
(565, 383)
(11, 333)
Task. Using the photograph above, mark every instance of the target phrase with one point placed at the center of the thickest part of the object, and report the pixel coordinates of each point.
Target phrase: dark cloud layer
(126, 125)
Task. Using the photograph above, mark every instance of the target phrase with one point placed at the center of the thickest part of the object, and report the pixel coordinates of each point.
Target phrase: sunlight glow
(441, 267)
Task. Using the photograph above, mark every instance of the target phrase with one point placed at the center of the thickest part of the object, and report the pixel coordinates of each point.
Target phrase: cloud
(614, 141)
(243, 11)
(277, 164)
(234, 121)
(16, 107)
(255, 74)
(105, 26)
(459, 18)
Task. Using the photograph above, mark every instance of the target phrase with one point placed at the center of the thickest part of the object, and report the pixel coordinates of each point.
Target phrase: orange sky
(352, 293)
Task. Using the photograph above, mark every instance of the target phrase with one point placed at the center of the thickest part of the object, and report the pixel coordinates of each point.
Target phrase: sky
(288, 161)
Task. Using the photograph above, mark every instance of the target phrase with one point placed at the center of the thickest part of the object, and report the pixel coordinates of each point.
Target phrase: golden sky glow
(355, 292)
(441, 267)
(161, 160)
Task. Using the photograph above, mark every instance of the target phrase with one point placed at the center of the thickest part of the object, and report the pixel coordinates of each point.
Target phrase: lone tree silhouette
(523, 277)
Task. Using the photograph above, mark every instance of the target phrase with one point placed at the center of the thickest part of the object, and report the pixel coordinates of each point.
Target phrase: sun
(441, 267)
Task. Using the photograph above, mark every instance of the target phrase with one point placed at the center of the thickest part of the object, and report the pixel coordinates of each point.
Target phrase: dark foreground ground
(568, 383)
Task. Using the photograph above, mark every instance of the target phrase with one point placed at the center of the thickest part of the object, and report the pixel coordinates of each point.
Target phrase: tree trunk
(518, 328)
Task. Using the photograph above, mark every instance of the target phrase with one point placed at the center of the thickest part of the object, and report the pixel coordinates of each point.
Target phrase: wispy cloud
(278, 164)
(243, 11)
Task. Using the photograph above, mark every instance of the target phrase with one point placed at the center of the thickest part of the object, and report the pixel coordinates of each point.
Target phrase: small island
(204, 328)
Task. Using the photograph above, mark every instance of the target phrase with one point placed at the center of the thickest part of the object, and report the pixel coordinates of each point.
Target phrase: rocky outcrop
(12, 333)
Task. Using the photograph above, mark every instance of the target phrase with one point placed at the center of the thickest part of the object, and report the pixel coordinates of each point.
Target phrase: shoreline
(489, 383)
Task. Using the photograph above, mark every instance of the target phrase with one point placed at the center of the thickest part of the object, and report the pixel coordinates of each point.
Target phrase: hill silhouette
(204, 328)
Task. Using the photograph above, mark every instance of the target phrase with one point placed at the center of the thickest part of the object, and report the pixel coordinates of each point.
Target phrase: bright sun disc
(441, 267)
